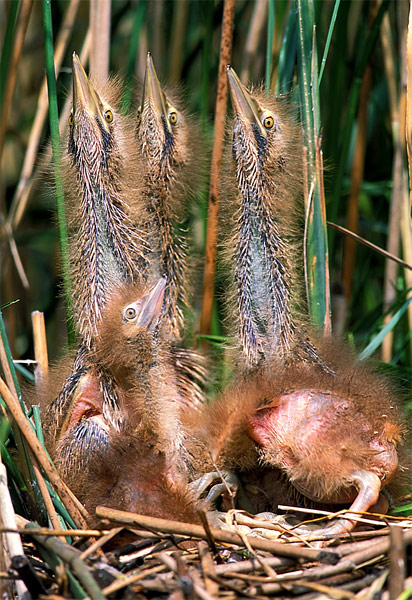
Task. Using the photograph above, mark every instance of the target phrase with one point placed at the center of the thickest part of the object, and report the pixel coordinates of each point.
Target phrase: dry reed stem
(397, 105)
(361, 240)
(254, 36)
(129, 579)
(197, 531)
(73, 506)
(406, 224)
(41, 115)
(352, 217)
(8, 519)
(40, 347)
(64, 115)
(21, 26)
(216, 166)
(100, 42)
(176, 51)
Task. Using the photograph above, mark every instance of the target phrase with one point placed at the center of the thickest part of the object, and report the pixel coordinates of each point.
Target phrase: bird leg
(369, 486)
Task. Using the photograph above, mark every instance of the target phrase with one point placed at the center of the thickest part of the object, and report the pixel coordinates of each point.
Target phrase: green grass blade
(55, 139)
(317, 274)
(328, 39)
(269, 43)
(377, 340)
(287, 54)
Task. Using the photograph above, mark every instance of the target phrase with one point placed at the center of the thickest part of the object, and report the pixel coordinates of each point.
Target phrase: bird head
(91, 120)
(265, 138)
(128, 334)
(160, 128)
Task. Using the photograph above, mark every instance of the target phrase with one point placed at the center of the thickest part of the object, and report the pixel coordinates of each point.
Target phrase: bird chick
(101, 184)
(170, 172)
(162, 135)
(267, 152)
(333, 439)
(119, 435)
(140, 359)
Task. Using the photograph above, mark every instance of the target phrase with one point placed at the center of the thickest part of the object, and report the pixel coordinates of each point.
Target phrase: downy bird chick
(131, 461)
(170, 166)
(267, 154)
(303, 436)
(164, 135)
(102, 187)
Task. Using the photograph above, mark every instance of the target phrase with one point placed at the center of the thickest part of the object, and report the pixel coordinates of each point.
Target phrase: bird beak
(243, 104)
(151, 304)
(84, 96)
(153, 92)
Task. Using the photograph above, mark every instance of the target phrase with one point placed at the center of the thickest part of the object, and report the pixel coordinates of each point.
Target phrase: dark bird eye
(173, 117)
(268, 122)
(71, 118)
(130, 313)
(108, 115)
(138, 115)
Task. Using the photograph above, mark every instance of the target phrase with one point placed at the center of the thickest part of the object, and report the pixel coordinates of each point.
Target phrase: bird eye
(130, 313)
(71, 118)
(139, 115)
(108, 115)
(268, 122)
(173, 117)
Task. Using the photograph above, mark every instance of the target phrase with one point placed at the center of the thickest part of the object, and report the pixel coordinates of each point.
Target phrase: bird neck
(262, 264)
(109, 251)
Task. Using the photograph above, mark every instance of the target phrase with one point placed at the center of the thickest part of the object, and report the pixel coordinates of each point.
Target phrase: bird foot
(211, 486)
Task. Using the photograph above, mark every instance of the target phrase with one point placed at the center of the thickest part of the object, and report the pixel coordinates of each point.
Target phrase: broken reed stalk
(216, 167)
(40, 347)
(21, 26)
(100, 43)
(17, 209)
(197, 531)
(73, 506)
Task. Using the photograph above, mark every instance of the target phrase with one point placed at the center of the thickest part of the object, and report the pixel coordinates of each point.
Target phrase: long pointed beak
(84, 95)
(151, 304)
(243, 103)
(152, 91)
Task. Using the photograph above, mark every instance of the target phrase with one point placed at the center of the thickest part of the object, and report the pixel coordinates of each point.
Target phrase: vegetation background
(344, 65)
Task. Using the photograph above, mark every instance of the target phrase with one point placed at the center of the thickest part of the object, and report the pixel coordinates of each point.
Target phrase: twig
(197, 531)
(51, 511)
(362, 240)
(216, 166)
(40, 347)
(74, 507)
